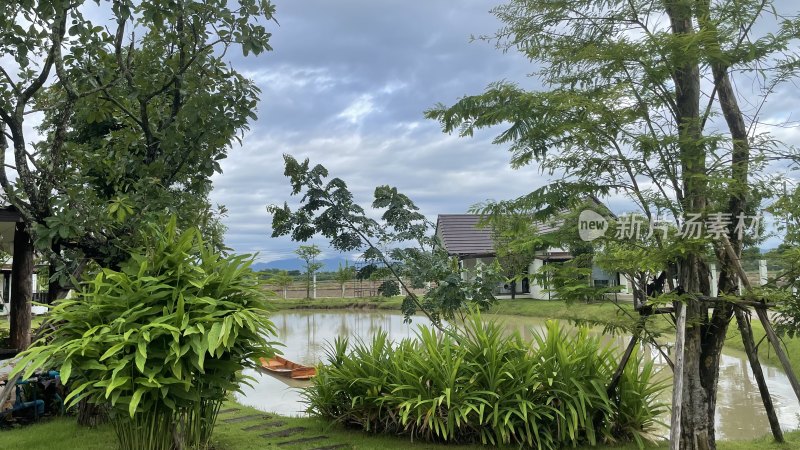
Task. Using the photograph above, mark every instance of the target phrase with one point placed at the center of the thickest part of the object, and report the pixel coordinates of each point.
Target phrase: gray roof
(461, 235)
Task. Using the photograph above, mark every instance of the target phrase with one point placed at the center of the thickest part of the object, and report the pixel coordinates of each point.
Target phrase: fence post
(677, 375)
(712, 268)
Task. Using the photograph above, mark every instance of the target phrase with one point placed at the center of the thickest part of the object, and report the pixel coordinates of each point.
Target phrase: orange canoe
(286, 368)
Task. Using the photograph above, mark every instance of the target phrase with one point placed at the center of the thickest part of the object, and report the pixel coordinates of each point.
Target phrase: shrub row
(479, 384)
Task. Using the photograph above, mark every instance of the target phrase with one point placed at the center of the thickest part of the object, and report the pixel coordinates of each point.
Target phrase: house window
(601, 283)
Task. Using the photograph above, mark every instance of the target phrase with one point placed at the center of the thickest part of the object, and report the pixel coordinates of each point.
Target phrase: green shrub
(162, 341)
(389, 288)
(478, 384)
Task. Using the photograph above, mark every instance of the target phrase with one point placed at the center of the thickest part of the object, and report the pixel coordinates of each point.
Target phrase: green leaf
(74, 392)
(140, 361)
(137, 397)
(112, 351)
(66, 370)
(115, 383)
(214, 337)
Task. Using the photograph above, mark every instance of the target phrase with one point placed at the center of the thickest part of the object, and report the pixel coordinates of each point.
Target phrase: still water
(740, 413)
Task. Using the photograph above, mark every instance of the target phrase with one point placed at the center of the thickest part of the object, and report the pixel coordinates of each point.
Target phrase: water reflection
(740, 413)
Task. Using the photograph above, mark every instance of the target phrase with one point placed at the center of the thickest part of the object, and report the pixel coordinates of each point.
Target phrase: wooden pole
(752, 355)
(677, 375)
(621, 367)
(776, 344)
(764, 318)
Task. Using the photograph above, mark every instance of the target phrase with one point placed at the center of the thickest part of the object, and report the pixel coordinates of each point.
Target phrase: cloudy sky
(346, 86)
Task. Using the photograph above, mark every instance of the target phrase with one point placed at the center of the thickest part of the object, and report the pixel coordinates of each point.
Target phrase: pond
(740, 413)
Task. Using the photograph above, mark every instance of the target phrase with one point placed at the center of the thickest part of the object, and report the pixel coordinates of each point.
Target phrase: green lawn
(243, 428)
(392, 303)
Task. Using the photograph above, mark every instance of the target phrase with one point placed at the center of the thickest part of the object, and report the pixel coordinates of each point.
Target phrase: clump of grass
(477, 384)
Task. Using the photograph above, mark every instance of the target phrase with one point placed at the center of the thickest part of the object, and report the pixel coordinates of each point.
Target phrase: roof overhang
(9, 216)
(555, 256)
(473, 255)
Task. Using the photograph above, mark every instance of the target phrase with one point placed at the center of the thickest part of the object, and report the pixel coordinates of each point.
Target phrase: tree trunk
(54, 291)
(702, 351)
(21, 288)
(639, 286)
(704, 336)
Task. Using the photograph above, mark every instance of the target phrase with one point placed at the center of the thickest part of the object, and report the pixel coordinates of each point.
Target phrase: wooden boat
(286, 368)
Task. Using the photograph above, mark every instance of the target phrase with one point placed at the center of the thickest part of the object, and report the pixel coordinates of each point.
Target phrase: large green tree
(641, 99)
(137, 102)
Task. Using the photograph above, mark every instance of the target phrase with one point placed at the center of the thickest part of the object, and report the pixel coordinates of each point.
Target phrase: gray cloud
(346, 86)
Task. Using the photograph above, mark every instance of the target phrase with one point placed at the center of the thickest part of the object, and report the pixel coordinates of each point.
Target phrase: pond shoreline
(600, 314)
(307, 332)
(230, 434)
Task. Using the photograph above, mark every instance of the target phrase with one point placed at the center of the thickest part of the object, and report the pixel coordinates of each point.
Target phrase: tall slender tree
(282, 280)
(344, 274)
(641, 100)
(309, 253)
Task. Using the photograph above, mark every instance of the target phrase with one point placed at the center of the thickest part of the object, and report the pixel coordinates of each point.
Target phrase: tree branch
(10, 81)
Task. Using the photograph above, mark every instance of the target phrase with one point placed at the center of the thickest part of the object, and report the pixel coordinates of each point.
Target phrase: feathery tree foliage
(641, 98)
(516, 241)
(343, 275)
(402, 242)
(282, 280)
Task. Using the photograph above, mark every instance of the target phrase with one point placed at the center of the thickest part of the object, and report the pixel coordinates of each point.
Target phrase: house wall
(471, 263)
(537, 290)
(601, 275)
(5, 294)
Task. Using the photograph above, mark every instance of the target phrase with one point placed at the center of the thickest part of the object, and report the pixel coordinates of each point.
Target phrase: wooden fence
(331, 289)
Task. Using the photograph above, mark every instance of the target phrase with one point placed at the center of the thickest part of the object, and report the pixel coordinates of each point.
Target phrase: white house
(464, 239)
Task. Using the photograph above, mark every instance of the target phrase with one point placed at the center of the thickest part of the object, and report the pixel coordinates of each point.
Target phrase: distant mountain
(330, 264)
